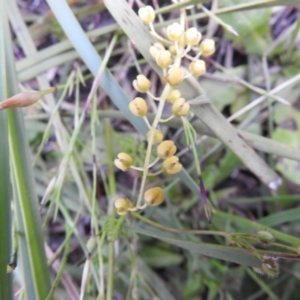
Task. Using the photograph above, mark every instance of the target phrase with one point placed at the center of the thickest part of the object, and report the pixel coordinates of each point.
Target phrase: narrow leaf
(231, 254)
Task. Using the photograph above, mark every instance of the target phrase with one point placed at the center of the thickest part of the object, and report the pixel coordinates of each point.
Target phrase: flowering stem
(163, 98)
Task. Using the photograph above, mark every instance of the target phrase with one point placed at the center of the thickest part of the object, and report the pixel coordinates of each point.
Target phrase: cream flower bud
(147, 14)
(173, 96)
(175, 76)
(155, 49)
(123, 161)
(164, 59)
(173, 50)
(174, 32)
(166, 149)
(192, 36)
(154, 196)
(207, 47)
(142, 84)
(157, 136)
(180, 107)
(197, 67)
(181, 42)
(122, 205)
(172, 165)
(138, 107)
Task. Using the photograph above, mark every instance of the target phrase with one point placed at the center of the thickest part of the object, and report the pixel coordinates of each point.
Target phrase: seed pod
(175, 76)
(166, 149)
(164, 59)
(270, 266)
(155, 49)
(173, 96)
(265, 238)
(157, 136)
(172, 165)
(174, 32)
(123, 161)
(180, 107)
(192, 36)
(197, 67)
(122, 205)
(154, 196)
(207, 47)
(138, 107)
(141, 84)
(272, 270)
(25, 98)
(147, 14)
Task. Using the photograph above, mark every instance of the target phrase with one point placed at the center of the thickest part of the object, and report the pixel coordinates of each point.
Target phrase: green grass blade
(250, 226)
(261, 4)
(5, 188)
(275, 219)
(154, 280)
(231, 254)
(30, 234)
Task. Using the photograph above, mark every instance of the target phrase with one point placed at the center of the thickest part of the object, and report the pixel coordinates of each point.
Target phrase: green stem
(112, 191)
(170, 229)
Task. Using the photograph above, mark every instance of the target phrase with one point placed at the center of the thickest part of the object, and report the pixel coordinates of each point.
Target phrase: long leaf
(5, 189)
(30, 234)
(231, 254)
(250, 226)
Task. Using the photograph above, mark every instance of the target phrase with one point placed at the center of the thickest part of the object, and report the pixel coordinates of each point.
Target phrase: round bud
(138, 107)
(157, 136)
(192, 36)
(180, 107)
(173, 50)
(175, 76)
(173, 96)
(147, 14)
(166, 149)
(123, 161)
(181, 42)
(174, 32)
(122, 205)
(207, 47)
(265, 238)
(197, 67)
(164, 59)
(155, 49)
(142, 84)
(172, 165)
(91, 244)
(154, 196)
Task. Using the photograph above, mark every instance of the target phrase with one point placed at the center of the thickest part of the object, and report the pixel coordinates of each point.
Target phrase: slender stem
(170, 229)
(163, 98)
(147, 122)
(218, 20)
(166, 120)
